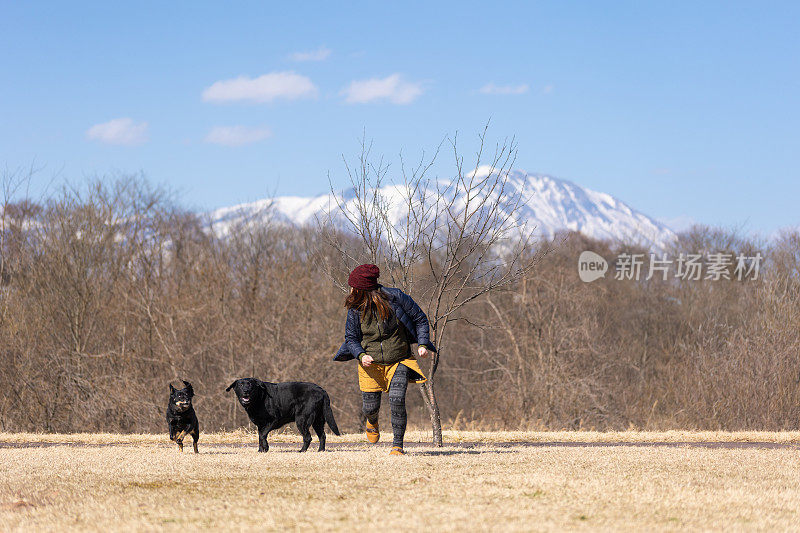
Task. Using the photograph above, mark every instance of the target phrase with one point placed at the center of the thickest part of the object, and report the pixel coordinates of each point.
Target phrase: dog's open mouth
(245, 400)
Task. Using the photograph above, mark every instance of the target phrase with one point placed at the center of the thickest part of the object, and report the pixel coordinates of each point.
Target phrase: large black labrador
(272, 405)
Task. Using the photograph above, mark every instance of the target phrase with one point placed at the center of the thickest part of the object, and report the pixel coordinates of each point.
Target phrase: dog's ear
(171, 388)
(232, 385)
(189, 388)
(263, 387)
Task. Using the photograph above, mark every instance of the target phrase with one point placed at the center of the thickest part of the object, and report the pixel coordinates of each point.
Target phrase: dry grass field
(483, 481)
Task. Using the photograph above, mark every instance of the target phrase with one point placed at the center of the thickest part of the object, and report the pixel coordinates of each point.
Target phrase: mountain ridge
(549, 205)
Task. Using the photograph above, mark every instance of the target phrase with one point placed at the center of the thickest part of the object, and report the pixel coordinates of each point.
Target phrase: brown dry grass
(145, 484)
(289, 434)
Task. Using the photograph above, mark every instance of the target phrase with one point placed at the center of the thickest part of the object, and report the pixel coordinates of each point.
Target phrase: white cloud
(391, 88)
(547, 89)
(236, 135)
(123, 131)
(320, 54)
(265, 88)
(491, 88)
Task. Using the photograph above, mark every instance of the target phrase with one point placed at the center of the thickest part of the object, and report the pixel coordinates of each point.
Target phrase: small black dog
(181, 417)
(272, 405)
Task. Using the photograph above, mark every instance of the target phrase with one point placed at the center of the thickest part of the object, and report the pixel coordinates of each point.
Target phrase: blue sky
(685, 110)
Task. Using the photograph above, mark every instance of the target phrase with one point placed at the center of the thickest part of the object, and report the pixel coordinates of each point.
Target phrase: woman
(382, 324)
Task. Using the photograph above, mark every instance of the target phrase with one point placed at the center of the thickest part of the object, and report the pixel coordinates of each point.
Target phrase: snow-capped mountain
(550, 204)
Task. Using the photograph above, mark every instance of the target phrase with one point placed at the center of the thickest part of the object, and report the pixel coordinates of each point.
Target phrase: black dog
(181, 417)
(271, 405)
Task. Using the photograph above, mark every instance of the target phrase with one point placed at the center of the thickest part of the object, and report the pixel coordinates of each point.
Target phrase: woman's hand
(367, 360)
(423, 352)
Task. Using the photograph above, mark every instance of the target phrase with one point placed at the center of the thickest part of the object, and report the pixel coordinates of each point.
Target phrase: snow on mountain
(550, 204)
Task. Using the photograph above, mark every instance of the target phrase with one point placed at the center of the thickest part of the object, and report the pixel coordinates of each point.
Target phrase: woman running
(382, 324)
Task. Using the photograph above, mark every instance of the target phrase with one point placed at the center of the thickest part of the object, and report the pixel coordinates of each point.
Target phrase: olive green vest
(387, 342)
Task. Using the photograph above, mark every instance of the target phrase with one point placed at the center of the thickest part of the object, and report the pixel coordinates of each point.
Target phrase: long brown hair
(369, 301)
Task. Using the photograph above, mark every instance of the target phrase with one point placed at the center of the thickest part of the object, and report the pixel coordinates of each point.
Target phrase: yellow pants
(376, 378)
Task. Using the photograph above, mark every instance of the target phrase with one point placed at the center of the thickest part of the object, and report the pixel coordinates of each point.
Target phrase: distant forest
(111, 292)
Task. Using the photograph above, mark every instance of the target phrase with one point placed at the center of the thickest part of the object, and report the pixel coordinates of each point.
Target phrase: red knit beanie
(364, 277)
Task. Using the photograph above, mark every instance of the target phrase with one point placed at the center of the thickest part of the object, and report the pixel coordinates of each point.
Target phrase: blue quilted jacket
(407, 312)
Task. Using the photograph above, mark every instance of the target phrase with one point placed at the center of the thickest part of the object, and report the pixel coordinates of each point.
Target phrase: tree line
(112, 290)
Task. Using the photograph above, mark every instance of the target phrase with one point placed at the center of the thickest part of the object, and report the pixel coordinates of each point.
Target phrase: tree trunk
(429, 395)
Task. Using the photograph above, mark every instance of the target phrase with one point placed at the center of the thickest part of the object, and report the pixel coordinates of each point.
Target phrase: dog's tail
(326, 408)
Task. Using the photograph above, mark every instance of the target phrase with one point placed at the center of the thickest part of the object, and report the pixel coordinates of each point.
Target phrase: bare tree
(445, 242)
